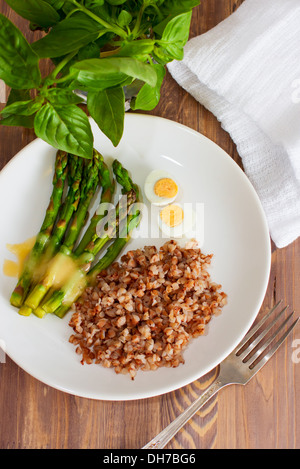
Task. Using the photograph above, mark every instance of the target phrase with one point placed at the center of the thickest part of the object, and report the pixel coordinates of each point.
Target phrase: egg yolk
(165, 187)
(172, 215)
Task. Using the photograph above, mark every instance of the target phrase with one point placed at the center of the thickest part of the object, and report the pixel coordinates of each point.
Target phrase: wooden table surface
(263, 414)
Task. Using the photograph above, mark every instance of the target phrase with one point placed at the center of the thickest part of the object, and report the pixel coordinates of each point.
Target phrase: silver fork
(238, 368)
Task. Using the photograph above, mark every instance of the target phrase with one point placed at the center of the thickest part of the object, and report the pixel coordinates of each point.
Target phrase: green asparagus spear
(59, 268)
(105, 233)
(68, 208)
(73, 291)
(25, 280)
(128, 187)
(91, 176)
(124, 179)
(114, 249)
(82, 190)
(108, 188)
(107, 228)
(90, 239)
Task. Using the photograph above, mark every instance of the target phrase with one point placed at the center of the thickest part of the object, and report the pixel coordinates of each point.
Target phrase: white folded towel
(246, 71)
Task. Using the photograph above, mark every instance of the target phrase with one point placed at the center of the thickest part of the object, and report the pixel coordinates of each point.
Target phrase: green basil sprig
(101, 47)
(37, 11)
(18, 62)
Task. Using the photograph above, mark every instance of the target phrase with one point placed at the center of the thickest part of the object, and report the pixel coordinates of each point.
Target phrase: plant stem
(61, 64)
(71, 12)
(66, 77)
(138, 21)
(51, 78)
(114, 28)
(109, 53)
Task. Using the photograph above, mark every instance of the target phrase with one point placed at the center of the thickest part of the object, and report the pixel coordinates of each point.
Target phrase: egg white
(150, 182)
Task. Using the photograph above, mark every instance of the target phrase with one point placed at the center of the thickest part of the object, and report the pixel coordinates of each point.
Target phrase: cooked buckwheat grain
(143, 311)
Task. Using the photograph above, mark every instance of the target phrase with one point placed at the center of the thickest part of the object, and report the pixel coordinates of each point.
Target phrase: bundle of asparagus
(47, 283)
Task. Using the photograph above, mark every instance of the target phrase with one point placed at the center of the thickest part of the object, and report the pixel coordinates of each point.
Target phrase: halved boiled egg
(175, 220)
(160, 187)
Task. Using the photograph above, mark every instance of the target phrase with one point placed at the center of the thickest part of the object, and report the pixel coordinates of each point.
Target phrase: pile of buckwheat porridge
(144, 310)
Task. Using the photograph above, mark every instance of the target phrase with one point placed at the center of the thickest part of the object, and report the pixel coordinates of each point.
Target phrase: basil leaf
(148, 97)
(18, 95)
(66, 128)
(161, 56)
(175, 36)
(103, 11)
(107, 108)
(18, 63)
(112, 71)
(89, 51)
(116, 2)
(15, 120)
(38, 11)
(170, 52)
(136, 48)
(22, 108)
(93, 3)
(68, 35)
(124, 18)
(56, 4)
(86, 52)
(62, 96)
(174, 31)
(89, 82)
(19, 121)
(173, 6)
(177, 30)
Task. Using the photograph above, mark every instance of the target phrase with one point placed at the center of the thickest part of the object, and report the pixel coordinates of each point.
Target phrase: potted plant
(107, 49)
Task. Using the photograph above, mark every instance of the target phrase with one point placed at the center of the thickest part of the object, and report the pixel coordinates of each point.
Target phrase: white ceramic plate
(235, 231)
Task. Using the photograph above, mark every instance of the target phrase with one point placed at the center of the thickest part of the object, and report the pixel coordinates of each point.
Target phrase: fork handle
(161, 440)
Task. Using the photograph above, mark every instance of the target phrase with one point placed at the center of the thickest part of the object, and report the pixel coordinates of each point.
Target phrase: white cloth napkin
(246, 71)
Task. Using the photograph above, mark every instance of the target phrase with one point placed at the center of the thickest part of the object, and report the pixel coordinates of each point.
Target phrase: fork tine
(266, 357)
(259, 338)
(254, 329)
